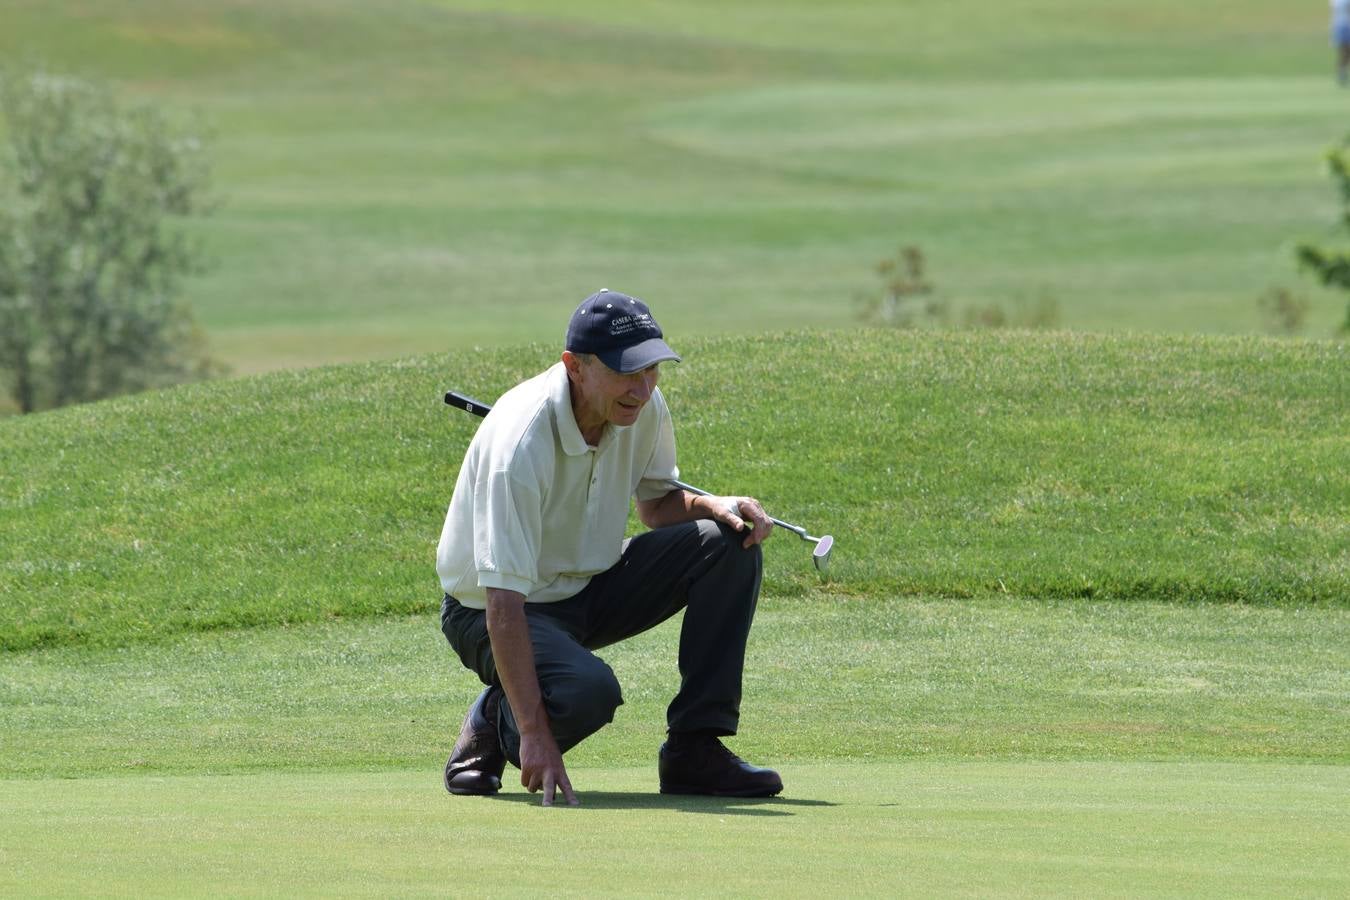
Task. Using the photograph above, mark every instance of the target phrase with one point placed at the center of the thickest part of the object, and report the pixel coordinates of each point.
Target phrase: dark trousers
(697, 566)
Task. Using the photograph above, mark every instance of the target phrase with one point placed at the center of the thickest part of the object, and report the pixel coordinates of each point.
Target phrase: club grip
(466, 403)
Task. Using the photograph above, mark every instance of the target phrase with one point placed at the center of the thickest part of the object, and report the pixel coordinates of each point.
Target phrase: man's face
(602, 395)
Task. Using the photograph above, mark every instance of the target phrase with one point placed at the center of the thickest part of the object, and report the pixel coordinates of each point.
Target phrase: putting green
(963, 828)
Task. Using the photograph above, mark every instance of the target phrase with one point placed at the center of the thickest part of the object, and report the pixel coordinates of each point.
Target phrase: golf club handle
(466, 403)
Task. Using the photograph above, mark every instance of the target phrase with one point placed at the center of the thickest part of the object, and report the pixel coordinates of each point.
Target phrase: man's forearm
(676, 507)
(513, 652)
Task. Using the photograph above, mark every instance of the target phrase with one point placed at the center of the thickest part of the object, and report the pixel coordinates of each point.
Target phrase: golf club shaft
(468, 404)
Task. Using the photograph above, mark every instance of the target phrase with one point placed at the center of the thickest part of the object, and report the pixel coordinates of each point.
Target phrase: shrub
(1331, 265)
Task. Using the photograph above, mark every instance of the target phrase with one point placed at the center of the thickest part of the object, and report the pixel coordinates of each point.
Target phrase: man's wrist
(713, 506)
(534, 722)
(534, 732)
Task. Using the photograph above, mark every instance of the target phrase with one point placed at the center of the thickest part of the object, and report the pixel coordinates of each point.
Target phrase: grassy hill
(957, 464)
(395, 174)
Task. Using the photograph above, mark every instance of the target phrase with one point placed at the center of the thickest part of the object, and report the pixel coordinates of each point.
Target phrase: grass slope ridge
(957, 464)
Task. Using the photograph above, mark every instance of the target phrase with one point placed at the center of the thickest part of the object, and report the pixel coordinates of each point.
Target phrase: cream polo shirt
(538, 511)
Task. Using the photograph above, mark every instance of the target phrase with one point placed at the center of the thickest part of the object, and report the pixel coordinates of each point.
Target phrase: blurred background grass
(405, 176)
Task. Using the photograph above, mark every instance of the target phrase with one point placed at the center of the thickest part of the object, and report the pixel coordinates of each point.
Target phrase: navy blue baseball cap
(620, 330)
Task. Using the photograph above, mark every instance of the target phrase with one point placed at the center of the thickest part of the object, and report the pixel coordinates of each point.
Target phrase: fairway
(988, 829)
(406, 176)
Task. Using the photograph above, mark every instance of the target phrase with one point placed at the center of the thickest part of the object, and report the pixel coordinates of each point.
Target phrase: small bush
(1331, 266)
(1283, 311)
(1041, 312)
(907, 299)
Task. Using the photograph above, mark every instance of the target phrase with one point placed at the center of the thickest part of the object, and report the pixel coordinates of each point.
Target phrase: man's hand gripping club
(541, 762)
(743, 514)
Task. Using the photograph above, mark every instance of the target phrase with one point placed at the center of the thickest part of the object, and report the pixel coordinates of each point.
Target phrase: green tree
(1332, 265)
(93, 196)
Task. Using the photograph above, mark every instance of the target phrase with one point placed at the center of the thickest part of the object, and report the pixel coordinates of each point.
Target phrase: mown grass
(933, 829)
(409, 176)
(957, 464)
(827, 679)
(929, 747)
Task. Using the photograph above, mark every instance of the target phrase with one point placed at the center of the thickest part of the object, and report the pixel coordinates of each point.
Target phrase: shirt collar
(560, 397)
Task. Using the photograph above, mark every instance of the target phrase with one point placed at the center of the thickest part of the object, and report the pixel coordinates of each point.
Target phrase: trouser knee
(583, 702)
(735, 556)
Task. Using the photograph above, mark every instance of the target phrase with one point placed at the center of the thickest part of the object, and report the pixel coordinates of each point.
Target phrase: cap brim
(639, 356)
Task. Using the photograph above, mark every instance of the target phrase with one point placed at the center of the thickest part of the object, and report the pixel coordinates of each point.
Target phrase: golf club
(824, 544)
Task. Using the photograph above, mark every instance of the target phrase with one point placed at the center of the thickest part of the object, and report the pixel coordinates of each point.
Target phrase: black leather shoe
(699, 764)
(476, 764)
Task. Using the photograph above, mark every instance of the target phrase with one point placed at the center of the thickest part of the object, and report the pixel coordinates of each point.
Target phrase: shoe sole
(461, 792)
(704, 792)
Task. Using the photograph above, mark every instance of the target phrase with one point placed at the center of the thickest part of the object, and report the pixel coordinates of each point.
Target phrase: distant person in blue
(1340, 37)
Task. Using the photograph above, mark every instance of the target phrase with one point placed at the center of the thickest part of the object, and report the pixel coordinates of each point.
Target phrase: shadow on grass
(722, 806)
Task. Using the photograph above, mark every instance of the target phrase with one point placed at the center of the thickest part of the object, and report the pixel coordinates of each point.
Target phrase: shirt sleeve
(661, 471)
(507, 529)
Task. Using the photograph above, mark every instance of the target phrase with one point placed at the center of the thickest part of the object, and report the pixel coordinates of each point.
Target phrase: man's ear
(572, 363)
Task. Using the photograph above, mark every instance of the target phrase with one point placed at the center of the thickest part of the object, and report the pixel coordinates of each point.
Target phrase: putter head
(821, 555)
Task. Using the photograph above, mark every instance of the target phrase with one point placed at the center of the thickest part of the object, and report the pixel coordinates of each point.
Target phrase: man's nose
(641, 387)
